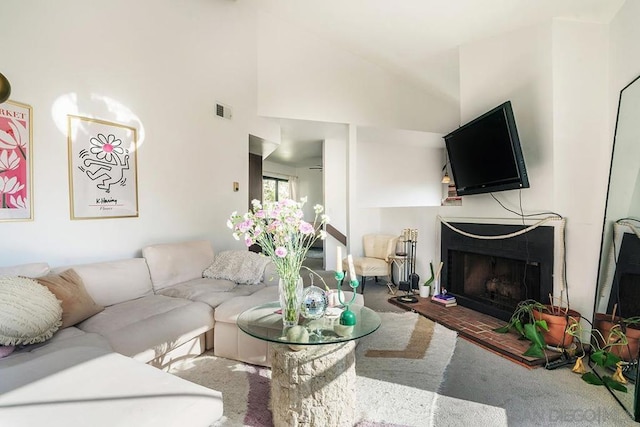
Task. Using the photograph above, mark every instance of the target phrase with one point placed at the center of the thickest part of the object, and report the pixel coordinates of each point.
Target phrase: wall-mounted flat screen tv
(485, 154)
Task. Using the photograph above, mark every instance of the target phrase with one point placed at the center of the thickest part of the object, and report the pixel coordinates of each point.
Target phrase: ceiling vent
(223, 111)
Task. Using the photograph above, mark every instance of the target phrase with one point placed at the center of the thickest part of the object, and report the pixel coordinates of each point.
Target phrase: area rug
(399, 369)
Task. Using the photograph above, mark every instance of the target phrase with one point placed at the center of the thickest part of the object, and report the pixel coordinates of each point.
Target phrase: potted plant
(630, 327)
(542, 324)
(558, 320)
(523, 321)
(611, 349)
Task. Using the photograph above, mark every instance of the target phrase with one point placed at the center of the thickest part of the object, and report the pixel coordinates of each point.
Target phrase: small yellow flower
(618, 376)
(579, 368)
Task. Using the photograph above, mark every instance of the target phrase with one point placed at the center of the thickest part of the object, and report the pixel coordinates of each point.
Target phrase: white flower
(16, 137)
(104, 147)
(9, 162)
(19, 202)
(10, 185)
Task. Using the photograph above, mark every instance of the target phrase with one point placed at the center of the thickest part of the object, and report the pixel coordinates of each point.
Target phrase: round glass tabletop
(265, 322)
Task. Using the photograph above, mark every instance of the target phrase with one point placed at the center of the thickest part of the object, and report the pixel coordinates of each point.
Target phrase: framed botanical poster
(16, 200)
(103, 177)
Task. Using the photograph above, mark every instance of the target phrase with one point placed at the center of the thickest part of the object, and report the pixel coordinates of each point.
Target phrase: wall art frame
(103, 171)
(16, 161)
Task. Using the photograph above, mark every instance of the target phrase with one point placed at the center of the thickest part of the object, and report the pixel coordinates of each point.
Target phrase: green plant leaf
(518, 325)
(611, 383)
(592, 378)
(533, 334)
(502, 330)
(604, 358)
(534, 350)
(542, 324)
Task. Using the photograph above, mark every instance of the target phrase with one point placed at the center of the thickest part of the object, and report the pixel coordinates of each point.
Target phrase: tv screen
(485, 154)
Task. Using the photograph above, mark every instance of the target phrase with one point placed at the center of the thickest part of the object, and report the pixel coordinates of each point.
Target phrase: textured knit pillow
(242, 267)
(77, 304)
(29, 312)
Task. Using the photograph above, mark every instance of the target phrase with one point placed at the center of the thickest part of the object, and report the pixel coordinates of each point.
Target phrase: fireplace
(625, 290)
(492, 276)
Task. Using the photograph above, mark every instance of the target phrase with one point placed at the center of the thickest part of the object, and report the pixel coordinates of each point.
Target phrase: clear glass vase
(290, 292)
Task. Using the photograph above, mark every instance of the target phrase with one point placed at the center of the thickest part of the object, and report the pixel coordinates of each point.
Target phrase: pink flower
(306, 228)
(245, 225)
(281, 252)
(290, 220)
(248, 241)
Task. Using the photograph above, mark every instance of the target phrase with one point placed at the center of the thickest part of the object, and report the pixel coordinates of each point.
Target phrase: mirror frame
(634, 410)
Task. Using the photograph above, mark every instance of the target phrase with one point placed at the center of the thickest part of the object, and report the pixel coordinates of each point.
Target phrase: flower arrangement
(285, 237)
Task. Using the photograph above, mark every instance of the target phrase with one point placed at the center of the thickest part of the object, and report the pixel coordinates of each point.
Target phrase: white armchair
(376, 261)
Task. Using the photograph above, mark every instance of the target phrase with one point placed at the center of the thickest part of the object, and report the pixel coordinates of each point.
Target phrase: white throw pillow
(29, 312)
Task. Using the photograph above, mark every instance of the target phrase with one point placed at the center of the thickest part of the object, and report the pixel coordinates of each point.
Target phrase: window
(274, 189)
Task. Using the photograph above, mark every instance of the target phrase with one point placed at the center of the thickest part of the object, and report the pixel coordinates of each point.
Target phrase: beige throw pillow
(77, 304)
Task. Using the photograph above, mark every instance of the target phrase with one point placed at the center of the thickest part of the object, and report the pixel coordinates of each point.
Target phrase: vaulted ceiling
(418, 39)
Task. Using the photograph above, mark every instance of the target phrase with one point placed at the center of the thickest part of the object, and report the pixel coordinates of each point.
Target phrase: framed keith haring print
(103, 176)
(15, 162)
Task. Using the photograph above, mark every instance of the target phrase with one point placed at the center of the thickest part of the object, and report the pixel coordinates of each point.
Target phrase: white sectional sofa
(158, 309)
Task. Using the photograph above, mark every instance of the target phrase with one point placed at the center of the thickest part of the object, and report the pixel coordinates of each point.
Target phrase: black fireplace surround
(492, 276)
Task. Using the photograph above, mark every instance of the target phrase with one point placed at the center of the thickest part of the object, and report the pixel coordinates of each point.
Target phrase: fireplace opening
(493, 275)
(493, 280)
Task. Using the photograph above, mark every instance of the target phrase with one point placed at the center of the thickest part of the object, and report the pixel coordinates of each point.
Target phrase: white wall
(544, 71)
(310, 186)
(335, 195)
(516, 67)
(303, 77)
(581, 141)
(162, 73)
(398, 168)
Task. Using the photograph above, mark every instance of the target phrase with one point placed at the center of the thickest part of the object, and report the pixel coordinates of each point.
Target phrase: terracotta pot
(557, 323)
(604, 323)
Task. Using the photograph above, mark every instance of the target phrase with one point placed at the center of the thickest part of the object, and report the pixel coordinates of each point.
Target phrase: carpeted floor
(399, 369)
(413, 372)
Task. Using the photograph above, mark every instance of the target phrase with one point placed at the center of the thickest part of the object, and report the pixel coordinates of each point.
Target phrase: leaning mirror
(616, 322)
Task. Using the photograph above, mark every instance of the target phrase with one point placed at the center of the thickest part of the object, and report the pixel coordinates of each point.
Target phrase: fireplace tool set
(409, 279)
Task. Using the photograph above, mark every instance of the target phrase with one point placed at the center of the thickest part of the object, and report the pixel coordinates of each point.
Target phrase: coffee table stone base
(315, 386)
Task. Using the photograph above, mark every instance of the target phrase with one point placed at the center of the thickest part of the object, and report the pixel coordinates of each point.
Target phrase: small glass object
(314, 302)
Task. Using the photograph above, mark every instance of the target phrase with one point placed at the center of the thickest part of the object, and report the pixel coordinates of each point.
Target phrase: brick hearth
(478, 328)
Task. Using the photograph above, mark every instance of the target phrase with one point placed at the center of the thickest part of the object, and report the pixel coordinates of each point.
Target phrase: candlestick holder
(347, 318)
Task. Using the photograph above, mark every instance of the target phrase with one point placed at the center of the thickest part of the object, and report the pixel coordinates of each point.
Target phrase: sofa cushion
(114, 282)
(64, 338)
(77, 304)
(173, 263)
(229, 311)
(35, 269)
(151, 326)
(80, 387)
(212, 292)
(29, 312)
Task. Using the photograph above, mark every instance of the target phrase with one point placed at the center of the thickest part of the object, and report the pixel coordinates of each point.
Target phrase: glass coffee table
(313, 376)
